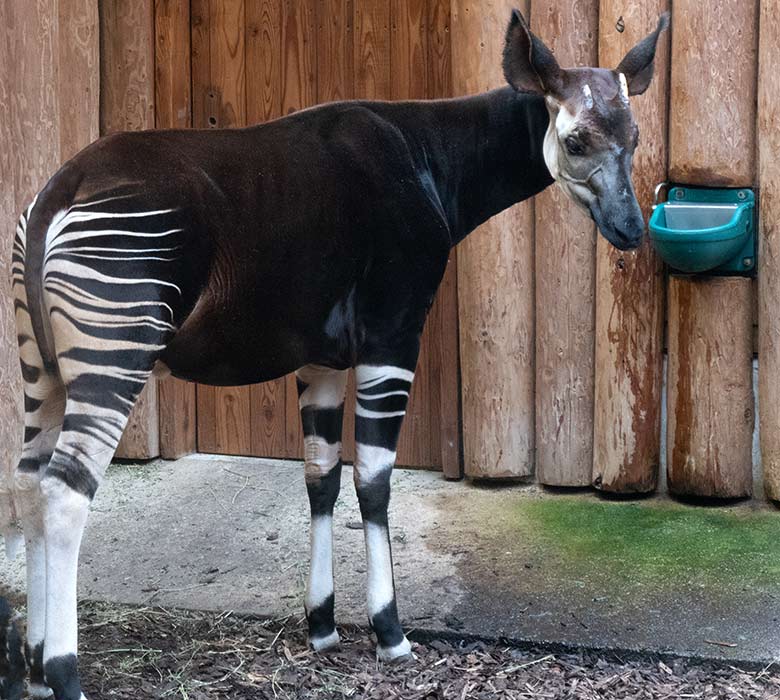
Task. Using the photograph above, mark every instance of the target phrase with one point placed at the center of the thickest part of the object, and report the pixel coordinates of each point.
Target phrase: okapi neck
(492, 148)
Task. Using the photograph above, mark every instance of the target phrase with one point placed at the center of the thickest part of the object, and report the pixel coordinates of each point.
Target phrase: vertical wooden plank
(408, 54)
(268, 416)
(173, 63)
(710, 389)
(263, 60)
(127, 103)
(335, 56)
(565, 284)
(444, 352)
(219, 101)
(710, 364)
(713, 84)
(408, 49)
(79, 75)
(496, 304)
(630, 285)
(769, 245)
(173, 110)
(299, 90)
(372, 49)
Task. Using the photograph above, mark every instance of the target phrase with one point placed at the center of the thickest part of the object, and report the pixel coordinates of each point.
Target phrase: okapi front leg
(382, 394)
(321, 400)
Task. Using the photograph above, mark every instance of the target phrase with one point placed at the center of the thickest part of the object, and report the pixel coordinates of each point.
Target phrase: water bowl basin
(706, 230)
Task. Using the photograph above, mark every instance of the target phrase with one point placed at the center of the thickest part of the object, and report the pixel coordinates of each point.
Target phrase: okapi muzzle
(591, 139)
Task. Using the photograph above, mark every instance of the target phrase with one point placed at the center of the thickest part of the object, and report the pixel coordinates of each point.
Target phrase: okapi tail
(12, 666)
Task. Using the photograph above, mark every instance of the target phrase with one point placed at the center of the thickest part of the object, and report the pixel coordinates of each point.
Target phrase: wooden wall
(570, 383)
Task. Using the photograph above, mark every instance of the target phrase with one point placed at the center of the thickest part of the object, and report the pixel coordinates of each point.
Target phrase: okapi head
(592, 136)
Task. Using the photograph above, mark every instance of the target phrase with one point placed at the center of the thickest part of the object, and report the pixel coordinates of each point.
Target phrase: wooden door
(255, 60)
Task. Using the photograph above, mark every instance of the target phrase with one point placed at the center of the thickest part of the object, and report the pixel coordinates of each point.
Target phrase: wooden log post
(769, 246)
(712, 144)
(565, 284)
(630, 286)
(127, 103)
(710, 407)
(496, 304)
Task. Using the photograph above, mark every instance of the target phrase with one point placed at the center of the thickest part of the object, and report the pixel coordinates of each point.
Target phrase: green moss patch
(655, 541)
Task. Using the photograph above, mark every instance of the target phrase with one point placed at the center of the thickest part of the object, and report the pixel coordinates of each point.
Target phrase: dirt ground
(156, 653)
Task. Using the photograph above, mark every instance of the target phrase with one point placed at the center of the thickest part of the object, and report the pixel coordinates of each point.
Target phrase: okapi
(313, 243)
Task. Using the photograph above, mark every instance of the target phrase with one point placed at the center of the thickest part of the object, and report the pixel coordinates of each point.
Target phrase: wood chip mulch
(156, 653)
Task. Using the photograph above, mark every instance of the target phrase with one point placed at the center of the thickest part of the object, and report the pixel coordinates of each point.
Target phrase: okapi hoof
(399, 654)
(12, 666)
(320, 644)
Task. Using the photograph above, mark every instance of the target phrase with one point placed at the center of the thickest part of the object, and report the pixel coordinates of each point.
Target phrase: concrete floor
(225, 533)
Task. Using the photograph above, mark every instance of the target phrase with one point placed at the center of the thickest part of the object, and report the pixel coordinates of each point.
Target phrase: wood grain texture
(79, 75)
(710, 387)
(172, 75)
(495, 287)
(126, 65)
(408, 49)
(630, 286)
(372, 49)
(565, 284)
(173, 110)
(29, 154)
(769, 245)
(335, 54)
(263, 60)
(126, 104)
(444, 353)
(713, 117)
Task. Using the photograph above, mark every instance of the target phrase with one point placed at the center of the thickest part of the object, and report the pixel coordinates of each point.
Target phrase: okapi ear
(529, 66)
(639, 63)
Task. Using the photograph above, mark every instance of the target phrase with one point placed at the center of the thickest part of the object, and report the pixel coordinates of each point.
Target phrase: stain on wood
(630, 286)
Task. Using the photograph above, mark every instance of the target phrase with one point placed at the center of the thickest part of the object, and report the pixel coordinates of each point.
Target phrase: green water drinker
(702, 230)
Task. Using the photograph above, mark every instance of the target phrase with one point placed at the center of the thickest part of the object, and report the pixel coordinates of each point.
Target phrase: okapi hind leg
(382, 395)
(321, 400)
(96, 413)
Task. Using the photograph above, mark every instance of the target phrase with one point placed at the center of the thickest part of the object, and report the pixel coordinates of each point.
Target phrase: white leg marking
(380, 568)
(321, 572)
(326, 386)
(400, 650)
(370, 462)
(64, 521)
(319, 457)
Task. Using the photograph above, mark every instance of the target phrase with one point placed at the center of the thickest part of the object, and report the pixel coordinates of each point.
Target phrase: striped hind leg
(321, 399)
(44, 405)
(96, 413)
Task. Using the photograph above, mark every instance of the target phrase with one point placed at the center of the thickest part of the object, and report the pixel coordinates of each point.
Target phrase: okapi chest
(311, 244)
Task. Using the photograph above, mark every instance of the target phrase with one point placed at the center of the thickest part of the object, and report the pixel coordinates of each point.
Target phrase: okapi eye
(574, 147)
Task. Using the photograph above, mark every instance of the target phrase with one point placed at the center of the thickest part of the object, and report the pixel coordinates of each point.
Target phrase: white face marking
(588, 96)
(623, 88)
